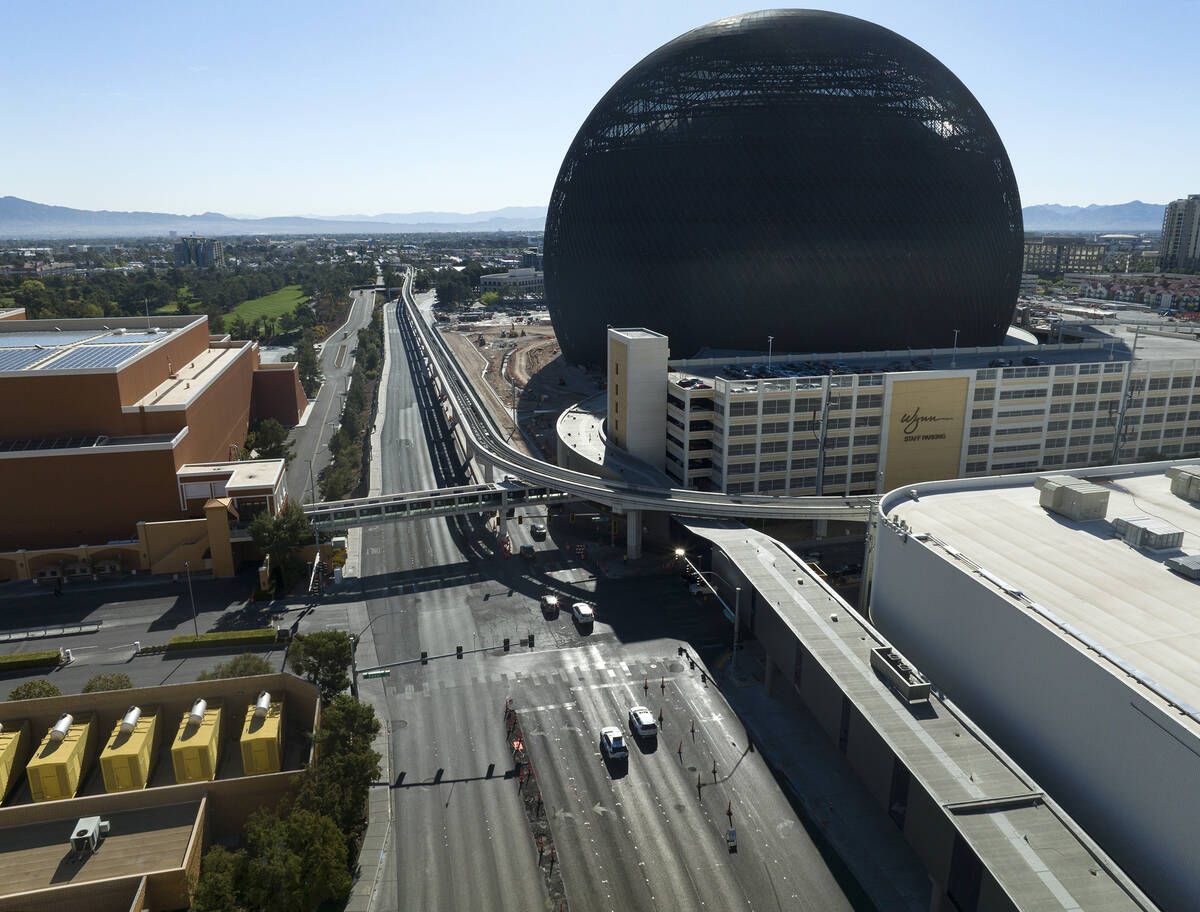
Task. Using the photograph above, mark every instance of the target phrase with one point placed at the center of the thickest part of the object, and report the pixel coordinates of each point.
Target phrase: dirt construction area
(518, 357)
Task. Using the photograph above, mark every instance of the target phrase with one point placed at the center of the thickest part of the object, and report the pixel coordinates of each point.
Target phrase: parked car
(999, 362)
(641, 722)
(612, 743)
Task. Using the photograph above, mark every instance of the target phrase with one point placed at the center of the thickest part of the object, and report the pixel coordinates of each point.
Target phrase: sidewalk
(830, 796)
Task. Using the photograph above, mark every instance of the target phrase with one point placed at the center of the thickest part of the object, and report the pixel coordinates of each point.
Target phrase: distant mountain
(24, 219)
(1134, 216)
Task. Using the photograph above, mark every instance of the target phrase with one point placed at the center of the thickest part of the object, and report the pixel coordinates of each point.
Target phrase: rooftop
(34, 856)
(993, 802)
(101, 344)
(250, 475)
(1122, 598)
(189, 380)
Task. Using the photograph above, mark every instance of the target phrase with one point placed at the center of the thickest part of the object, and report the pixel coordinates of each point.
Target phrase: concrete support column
(768, 674)
(633, 534)
(820, 528)
(487, 472)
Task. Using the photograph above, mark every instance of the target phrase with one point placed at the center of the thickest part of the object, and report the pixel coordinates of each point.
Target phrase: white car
(583, 613)
(550, 605)
(641, 722)
(612, 743)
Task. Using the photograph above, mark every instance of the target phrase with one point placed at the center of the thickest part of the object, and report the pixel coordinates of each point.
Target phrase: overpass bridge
(459, 501)
(486, 444)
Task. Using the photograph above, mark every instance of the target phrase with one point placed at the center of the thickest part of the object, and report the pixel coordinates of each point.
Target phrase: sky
(266, 108)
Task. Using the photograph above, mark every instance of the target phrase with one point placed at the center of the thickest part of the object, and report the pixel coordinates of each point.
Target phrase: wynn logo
(914, 421)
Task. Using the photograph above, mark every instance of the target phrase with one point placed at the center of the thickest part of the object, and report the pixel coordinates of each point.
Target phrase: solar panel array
(13, 359)
(110, 338)
(91, 356)
(49, 339)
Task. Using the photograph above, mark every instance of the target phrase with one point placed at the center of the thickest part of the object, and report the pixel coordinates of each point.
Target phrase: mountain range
(24, 219)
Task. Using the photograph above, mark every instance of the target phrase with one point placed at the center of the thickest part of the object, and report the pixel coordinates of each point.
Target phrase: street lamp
(187, 566)
(954, 356)
(312, 488)
(680, 554)
(770, 347)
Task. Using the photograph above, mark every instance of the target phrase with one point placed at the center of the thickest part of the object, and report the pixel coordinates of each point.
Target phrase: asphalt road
(642, 838)
(311, 440)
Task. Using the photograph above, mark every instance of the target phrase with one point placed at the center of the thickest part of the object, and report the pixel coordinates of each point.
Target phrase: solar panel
(91, 356)
(12, 359)
(110, 338)
(28, 339)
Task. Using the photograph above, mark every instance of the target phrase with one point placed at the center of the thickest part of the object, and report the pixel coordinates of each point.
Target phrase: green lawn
(171, 308)
(273, 305)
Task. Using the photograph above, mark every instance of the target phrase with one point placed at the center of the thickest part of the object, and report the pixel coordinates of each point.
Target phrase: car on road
(583, 613)
(538, 531)
(612, 743)
(527, 552)
(550, 605)
(641, 722)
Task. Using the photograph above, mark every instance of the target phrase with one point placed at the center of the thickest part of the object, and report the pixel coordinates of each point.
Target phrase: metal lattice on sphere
(792, 173)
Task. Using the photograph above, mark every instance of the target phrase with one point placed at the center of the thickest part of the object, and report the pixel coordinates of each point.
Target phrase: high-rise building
(1053, 256)
(200, 251)
(1181, 234)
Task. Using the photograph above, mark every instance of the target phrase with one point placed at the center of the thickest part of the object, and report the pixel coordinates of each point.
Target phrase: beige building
(870, 423)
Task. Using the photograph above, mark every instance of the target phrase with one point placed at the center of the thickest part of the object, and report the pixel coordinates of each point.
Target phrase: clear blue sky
(304, 107)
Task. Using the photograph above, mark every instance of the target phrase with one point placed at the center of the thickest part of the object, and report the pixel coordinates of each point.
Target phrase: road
(460, 835)
(311, 440)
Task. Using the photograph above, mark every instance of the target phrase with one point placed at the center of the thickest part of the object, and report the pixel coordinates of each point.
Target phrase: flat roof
(253, 475)
(189, 379)
(990, 798)
(636, 332)
(34, 856)
(1123, 598)
(99, 344)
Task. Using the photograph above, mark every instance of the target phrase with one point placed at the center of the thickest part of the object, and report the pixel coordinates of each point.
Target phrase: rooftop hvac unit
(262, 705)
(1148, 533)
(1188, 566)
(86, 836)
(1072, 497)
(1185, 482)
(904, 679)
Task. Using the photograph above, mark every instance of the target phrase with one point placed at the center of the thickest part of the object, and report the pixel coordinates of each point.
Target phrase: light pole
(680, 554)
(312, 488)
(187, 566)
(737, 617)
(954, 357)
(770, 347)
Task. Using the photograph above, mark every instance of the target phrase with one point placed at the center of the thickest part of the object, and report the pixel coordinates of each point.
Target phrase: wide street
(311, 440)
(642, 838)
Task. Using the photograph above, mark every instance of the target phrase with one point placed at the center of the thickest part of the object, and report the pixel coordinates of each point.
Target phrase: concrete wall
(276, 393)
(638, 394)
(1117, 762)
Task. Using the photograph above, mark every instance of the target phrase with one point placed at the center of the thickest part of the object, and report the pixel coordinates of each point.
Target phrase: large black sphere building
(792, 173)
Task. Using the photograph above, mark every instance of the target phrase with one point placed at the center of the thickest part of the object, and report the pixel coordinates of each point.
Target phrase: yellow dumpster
(262, 737)
(196, 749)
(14, 748)
(129, 754)
(59, 762)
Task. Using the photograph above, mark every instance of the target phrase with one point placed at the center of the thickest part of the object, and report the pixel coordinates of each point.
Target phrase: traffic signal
(571, 517)
(506, 644)
(520, 520)
(458, 652)
(531, 641)
(424, 657)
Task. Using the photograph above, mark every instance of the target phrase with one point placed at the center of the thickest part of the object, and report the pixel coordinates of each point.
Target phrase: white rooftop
(1124, 599)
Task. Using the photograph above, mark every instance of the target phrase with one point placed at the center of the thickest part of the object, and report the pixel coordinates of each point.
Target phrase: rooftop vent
(1188, 566)
(85, 838)
(902, 677)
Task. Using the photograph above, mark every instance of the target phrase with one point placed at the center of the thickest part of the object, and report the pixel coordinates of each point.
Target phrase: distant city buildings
(1053, 256)
(200, 251)
(1180, 248)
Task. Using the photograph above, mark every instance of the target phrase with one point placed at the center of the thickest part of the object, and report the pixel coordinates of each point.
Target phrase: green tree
(34, 690)
(294, 864)
(109, 680)
(240, 666)
(351, 724)
(221, 882)
(269, 439)
(323, 658)
(280, 537)
(305, 356)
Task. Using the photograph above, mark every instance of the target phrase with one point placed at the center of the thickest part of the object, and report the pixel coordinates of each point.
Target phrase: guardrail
(487, 443)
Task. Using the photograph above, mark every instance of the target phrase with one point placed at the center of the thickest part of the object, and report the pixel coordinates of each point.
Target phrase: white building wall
(637, 393)
(1118, 763)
